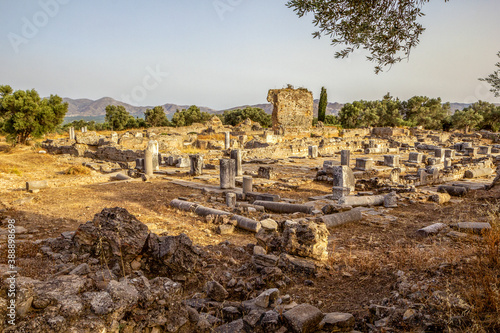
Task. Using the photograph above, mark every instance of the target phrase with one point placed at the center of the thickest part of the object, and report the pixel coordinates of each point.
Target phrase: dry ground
(364, 257)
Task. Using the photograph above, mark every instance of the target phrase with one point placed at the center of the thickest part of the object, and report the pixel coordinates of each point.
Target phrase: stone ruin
(292, 108)
(363, 169)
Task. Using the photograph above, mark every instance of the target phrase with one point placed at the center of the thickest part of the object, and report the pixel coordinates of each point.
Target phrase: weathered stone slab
(476, 227)
(431, 229)
(37, 185)
(303, 318)
(337, 322)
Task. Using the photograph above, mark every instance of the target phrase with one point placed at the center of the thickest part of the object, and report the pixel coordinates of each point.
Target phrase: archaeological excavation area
(213, 228)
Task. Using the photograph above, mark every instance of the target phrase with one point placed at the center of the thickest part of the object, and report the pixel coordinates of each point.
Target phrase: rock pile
(114, 275)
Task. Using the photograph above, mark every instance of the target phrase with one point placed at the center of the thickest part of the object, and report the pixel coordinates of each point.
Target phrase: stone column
(313, 151)
(236, 156)
(153, 148)
(196, 165)
(72, 133)
(247, 184)
(345, 156)
(227, 140)
(231, 199)
(227, 173)
(148, 163)
(422, 175)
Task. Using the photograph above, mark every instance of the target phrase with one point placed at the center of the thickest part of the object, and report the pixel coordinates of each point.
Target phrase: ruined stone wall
(390, 131)
(352, 132)
(293, 108)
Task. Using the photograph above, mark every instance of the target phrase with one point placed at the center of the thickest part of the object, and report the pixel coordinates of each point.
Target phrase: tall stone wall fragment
(292, 108)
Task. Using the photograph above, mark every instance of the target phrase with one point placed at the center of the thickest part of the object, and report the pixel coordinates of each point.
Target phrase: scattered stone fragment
(306, 239)
(303, 318)
(216, 291)
(440, 198)
(431, 229)
(37, 185)
(337, 219)
(476, 227)
(337, 322)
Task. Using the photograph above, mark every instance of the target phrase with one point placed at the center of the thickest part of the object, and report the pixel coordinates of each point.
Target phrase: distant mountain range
(86, 108)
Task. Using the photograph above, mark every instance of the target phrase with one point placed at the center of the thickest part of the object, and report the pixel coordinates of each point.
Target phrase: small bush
(77, 170)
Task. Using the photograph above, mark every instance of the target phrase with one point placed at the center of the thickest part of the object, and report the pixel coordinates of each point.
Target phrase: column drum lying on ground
(283, 207)
(242, 222)
(369, 200)
(336, 219)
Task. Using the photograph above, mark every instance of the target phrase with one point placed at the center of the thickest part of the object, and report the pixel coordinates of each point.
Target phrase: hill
(80, 108)
(84, 108)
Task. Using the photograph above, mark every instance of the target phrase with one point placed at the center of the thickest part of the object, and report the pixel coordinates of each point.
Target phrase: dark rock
(303, 318)
(337, 322)
(230, 313)
(270, 321)
(232, 327)
(101, 302)
(82, 269)
(171, 255)
(216, 291)
(296, 264)
(114, 234)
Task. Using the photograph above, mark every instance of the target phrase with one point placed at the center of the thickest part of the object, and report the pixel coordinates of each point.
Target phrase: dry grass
(10, 170)
(192, 150)
(217, 137)
(77, 170)
(482, 290)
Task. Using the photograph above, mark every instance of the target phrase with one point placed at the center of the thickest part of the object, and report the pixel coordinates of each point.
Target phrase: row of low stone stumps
(229, 168)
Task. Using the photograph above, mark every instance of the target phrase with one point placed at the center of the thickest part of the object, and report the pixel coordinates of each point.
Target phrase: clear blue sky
(199, 55)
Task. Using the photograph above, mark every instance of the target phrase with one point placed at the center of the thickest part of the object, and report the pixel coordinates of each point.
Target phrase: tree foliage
(25, 114)
(390, 112)
(156, 117)
(466, 119)
(91, 125)
(190, 116)
(323, 102)
(480, 115)
(425, 111)
(331, 119)
(235, 117)
(387, 29)
(494, 79)
(117, 117)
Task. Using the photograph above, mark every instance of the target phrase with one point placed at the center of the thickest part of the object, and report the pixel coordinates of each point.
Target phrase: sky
(227, 53)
